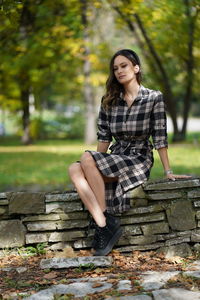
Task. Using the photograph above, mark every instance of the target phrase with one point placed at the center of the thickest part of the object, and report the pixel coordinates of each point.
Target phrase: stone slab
(175, 294)
(4, 202)
(138, 202)
(198, 215)
(196, 203)
(71, 196)
(194, 194)
(3, 210)
(196, 247)
(195, 237)
(82, 243)
(140, 247)
(124, 285)
(3, 196)
(75, 262)
(161, 227)
(26, 203)
(171, 185)
(185, 233)
(12, 234)
(137, 193)
(49, 217)
(74, 215)
(194, 274)
(181, 215)
(59, 246)
(56, 225)
(164, 196)
(152, 280)
(65, 236)
(138, 240)
(58, 207)
(131, 230)
(77, 289)
(182, 250)
(178, 240)
(36, 238)
(143, 219)
(144, 209)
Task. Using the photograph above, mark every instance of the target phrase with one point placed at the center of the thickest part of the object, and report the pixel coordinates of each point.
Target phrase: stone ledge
(168, 185)
(162, 214)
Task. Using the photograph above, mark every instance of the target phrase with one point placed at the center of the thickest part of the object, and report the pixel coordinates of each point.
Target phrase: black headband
(134, 55)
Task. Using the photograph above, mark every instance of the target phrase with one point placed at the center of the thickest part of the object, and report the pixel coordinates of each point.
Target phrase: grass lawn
(44, 164)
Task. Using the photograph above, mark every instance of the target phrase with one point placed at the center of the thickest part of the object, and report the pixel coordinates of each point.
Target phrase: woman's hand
(173, 177)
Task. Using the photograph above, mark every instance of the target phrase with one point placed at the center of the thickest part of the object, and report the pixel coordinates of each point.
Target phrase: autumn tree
(167, 32)
(39, 39)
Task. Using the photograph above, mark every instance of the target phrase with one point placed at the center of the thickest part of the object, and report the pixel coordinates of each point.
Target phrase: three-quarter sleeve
(159, 123)
(103, 133)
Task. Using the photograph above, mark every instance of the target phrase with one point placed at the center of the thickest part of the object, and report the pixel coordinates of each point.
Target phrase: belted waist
(129, 142)
(130, 138)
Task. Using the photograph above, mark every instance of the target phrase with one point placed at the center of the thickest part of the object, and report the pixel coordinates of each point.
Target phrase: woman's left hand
(174, 176)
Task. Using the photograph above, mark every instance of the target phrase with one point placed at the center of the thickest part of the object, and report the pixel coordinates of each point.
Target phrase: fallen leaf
(67, 252)
(176, 259)
(97, 284)
(50, 275)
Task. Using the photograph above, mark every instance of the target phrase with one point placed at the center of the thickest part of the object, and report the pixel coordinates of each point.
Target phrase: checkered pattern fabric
(131, 156)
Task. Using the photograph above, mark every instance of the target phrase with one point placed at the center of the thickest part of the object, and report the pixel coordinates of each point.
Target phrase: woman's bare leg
(86, 194)
(94, 179)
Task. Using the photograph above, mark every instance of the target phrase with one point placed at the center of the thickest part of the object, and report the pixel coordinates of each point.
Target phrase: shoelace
(100, 236)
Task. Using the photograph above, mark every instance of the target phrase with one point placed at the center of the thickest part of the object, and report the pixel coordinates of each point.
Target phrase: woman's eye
(124, 66)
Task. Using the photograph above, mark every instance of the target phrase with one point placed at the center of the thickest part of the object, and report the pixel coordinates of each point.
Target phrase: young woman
(131, 114)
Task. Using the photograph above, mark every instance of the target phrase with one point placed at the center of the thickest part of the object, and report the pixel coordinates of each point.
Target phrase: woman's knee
(87, 161)
(74, 169)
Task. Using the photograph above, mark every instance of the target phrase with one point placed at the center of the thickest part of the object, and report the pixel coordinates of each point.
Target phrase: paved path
(153, 283)
(192, 126)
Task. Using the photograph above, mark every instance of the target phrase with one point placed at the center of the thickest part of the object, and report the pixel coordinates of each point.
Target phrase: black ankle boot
(106, 237)
(111, 220)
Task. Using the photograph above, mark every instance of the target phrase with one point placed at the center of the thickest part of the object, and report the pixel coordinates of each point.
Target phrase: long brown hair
(113, 87)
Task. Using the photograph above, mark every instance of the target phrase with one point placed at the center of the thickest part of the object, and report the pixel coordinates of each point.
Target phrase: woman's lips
(121, 76)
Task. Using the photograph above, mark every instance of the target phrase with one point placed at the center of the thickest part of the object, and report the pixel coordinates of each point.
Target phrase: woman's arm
(165, 160)
(102, 146)
(163, 153)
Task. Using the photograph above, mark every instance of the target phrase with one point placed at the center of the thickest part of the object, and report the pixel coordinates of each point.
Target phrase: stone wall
(163, 214)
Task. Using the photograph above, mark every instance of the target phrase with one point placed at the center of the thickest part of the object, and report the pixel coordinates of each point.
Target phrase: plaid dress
(131, 156)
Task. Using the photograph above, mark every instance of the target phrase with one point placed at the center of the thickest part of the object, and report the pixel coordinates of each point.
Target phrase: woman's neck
(130, 92)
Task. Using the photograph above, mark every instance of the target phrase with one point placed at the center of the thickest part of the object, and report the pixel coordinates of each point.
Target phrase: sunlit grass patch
(45, 164)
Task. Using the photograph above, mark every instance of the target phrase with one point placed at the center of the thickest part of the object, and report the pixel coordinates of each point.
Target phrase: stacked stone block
(163, 214)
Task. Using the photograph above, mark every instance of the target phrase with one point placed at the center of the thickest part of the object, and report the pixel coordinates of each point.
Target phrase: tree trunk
(90, 128)
(189, 66)
(26, 139)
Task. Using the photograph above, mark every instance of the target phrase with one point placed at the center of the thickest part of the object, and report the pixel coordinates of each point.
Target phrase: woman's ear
(136, 68)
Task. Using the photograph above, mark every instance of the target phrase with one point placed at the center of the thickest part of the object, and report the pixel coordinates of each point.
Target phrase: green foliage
(85, 268)
(37, 130)
(58, 127)
(39, 249)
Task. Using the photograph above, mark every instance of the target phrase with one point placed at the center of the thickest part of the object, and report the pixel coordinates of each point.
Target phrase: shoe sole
(112, 242)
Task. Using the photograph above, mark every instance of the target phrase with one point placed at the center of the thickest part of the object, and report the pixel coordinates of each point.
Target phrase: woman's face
(124, 70)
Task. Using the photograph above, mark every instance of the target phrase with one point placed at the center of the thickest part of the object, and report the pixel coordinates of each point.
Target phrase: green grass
(45, 163)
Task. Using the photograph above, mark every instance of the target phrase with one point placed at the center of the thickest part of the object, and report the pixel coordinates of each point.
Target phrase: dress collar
(141, 93)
